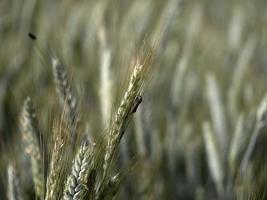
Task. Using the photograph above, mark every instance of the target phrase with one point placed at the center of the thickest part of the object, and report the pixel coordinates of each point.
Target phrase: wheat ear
(66, 95)
(215, 100)
(128, 106)
(213, 157)
(30, 130)
(75, 182)
(124, 114)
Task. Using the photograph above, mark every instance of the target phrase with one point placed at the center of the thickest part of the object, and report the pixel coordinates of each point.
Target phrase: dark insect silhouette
(138, 100)
(32, 36)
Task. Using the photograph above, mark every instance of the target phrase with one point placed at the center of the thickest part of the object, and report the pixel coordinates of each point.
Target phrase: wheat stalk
(14, 192)
(236, 144)
(55, 172)
(105, 77)
(238, 76)
(215, 101)
(110, 188)
(236, 27)
(261, 121)
(213, 156)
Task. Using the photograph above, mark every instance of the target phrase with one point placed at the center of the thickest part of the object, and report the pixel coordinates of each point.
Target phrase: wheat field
(133, 99)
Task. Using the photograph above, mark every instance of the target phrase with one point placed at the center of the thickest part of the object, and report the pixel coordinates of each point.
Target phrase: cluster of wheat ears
(87, 174)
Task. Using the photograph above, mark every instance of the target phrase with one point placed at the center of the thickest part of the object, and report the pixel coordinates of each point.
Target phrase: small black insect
(32, 36)
(138, 100)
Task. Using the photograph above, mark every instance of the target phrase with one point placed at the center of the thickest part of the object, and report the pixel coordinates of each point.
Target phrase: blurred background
(199, 132)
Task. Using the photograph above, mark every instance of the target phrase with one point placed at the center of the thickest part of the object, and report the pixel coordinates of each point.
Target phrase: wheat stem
(53, 180)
